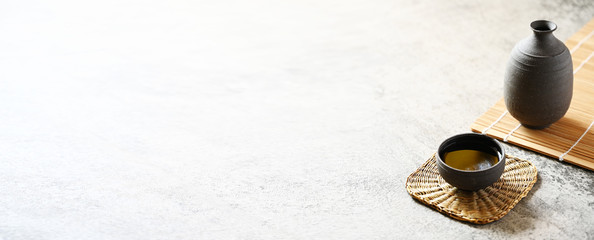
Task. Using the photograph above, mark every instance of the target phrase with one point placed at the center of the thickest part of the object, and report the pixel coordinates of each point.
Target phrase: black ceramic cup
(468, 179)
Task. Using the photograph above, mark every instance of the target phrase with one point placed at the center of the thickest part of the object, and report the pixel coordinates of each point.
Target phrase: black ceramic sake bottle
(539, 78)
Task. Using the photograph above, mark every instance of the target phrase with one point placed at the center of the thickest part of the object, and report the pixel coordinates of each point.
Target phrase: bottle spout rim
(543, 26)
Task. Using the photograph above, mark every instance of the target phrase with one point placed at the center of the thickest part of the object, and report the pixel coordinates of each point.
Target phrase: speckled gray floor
(258, 119)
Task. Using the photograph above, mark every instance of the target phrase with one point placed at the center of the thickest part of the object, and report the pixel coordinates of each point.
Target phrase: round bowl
(471, 180)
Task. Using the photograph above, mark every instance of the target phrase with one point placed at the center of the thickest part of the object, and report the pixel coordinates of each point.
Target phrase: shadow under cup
(471, 180)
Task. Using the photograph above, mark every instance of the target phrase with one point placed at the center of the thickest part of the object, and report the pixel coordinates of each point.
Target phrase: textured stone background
(258, 119)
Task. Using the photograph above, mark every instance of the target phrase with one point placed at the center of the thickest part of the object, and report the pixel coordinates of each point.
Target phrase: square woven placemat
(480, 207)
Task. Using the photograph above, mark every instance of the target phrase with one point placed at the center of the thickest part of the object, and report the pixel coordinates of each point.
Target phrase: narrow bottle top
(542, 43)
(543, 26)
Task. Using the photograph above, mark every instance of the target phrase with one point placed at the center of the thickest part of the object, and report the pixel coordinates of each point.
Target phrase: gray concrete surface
(258, 119)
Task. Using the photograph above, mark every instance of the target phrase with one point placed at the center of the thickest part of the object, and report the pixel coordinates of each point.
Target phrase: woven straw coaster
(479, 207)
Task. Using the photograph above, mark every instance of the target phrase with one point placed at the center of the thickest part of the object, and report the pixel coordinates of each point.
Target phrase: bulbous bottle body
(539, 78)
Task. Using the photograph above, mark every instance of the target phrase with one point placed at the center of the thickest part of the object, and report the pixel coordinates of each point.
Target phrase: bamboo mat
(571, 139)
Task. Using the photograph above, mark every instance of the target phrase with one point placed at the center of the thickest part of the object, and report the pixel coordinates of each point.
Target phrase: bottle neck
(540, 35)
(542, 42)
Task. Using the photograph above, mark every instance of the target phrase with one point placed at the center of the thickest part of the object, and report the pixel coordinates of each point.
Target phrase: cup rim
(472, 135)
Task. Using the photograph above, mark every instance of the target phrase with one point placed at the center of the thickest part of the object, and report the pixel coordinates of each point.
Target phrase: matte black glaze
(471, 180)
(539, 78)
